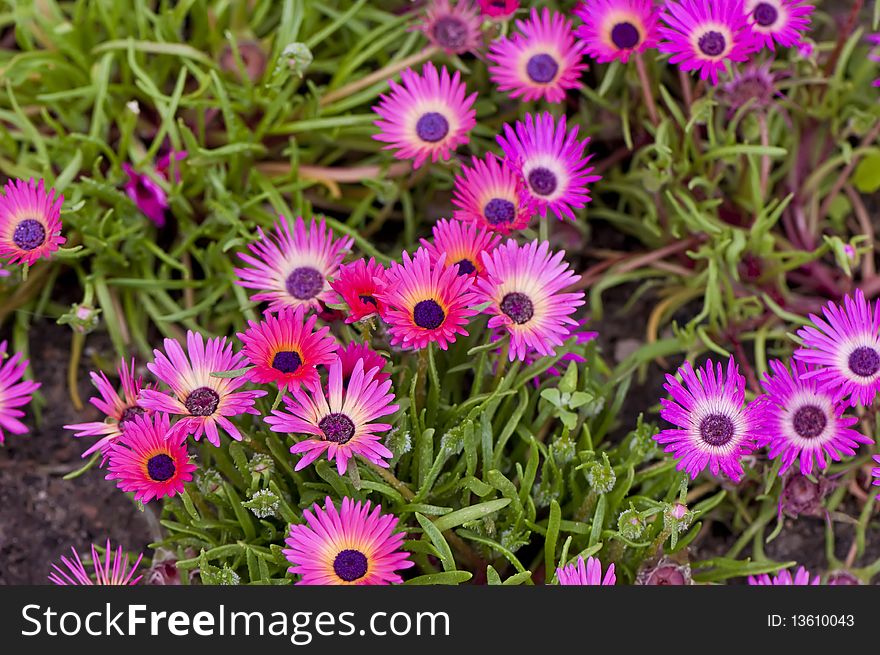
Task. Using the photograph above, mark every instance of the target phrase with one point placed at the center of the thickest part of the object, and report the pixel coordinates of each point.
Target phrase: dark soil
(41, 515)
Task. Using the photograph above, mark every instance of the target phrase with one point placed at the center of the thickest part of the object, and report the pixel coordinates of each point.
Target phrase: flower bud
(630, 524)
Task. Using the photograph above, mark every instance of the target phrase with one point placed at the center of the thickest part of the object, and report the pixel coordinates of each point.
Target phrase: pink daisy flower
(801, 420)
(716, 429)
(340, 419)
(203, 401)
(493, 196)
(524, 286)
(875, 472)
(780, 21)
(428, 116)
(113, 570)
(14, 392)
(30, 222)
(542, 60)
(846, 348)
(355, 351)
(463, 245)
(551, 161)
(617, 29)
(147, 461)
(455, 28)
(284, 349)
(801, 578)
(294, 265)
(428, 302)
(705, 35)
(352, 546)
(586, 573)
(146, 194)
(357, 284)
(120, 408)
(502, 9)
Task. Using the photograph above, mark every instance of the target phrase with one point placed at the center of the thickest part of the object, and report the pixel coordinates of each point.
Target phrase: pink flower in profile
(30, 222)
(498, 9)
(113, 570)
(119, 408)
(352, 546)
(146, 462)
(357, 284)
(586, 573)
(339, 421)
(355, 351)
(427, 116)
(14, 392)
(203, 402)
(801, 577)
(147, 194)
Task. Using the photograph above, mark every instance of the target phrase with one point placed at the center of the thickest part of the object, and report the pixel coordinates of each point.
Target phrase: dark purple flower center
(428, 314)
(712, 43)
(465, 266)
(304, 283)
(499, 211)
(542, 181)
(625, 35)
(716, 429)
(366, 298)
(765, 14)
(338, 428)
(202, 401)
(286, 361)
(350, 565)
(29, 234)
(432, 127)
(809, 421)
(160, 467)
(542, 68)
(450, 32)
(864, 361)
(130, 413)
(518, 307)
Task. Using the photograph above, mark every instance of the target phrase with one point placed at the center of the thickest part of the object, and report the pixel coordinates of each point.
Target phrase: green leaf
(445, 578)
(472, 513)
(439, 541)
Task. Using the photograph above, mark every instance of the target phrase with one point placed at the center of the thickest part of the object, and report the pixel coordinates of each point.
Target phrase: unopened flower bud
(630, 524)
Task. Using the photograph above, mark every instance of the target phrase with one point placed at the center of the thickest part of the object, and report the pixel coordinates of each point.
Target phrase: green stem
(76, 348)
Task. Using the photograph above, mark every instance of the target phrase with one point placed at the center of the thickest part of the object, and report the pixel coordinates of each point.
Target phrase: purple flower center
(350, 565)
(765, 14)
(365, 298)
(625, 35)
(712, 43)
(716, 429)
(542, 68)
(286, 361)
(432, 127)
(864, 361)
(465, 267)
(428, 314)
(450, 32)
(202, 402)
(29, 234)
(518, 307)
(499, 211)
(542, 181)
(160, 467)
(130, 413)
(809, 421)
(304, 283)
(338, 428)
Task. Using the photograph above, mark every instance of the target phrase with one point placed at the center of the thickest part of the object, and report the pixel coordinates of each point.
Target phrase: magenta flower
(113, 570)
(340, 420)
(617, 29)
(455, 27)
(203, 402)
(355, 351)
(551, 160)
(492, 195)
(801, 420)
(586, 573)
(715, 428)
(352, 546)
(119, 408)
(778, 21)
(801, 578)
(498, 9)
(463, 244)
(146, 193)
(30, 222)
(357, 285)
(845, 348)
(14, 392)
